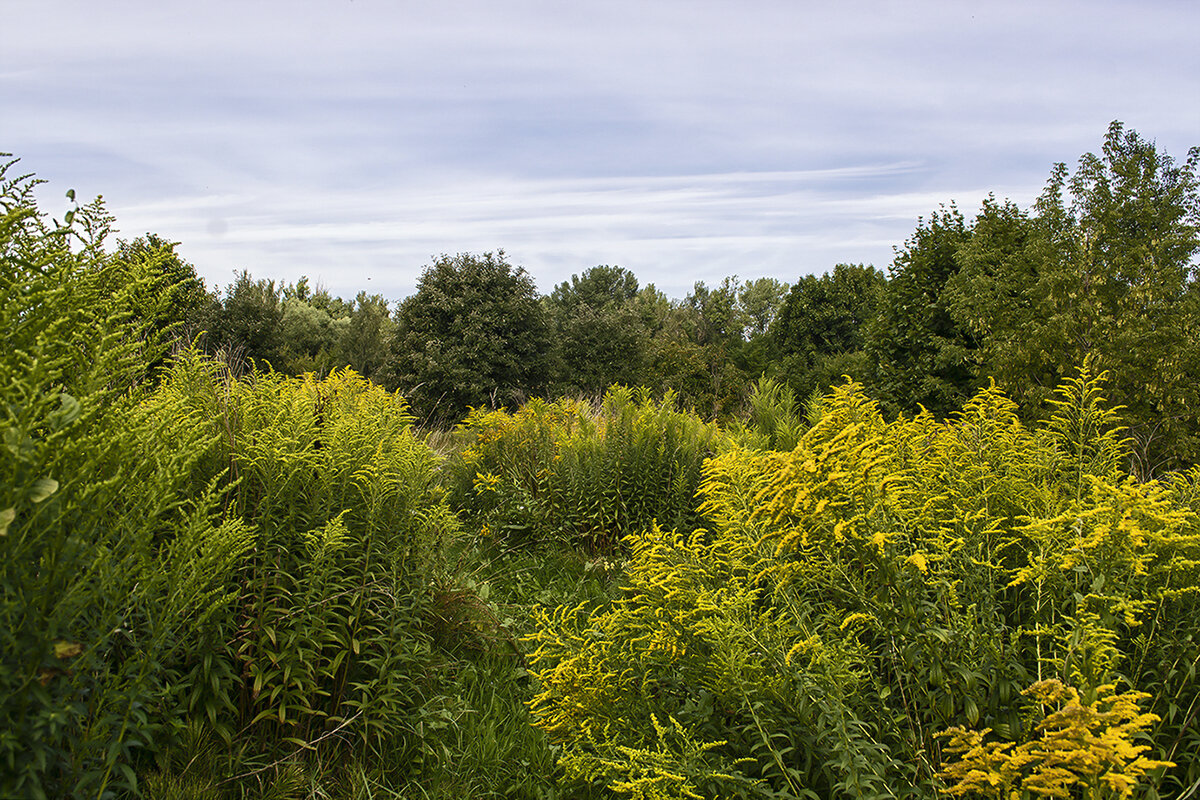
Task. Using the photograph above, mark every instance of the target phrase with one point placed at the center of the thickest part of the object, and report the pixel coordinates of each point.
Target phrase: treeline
(478, 333)
(1101, 267)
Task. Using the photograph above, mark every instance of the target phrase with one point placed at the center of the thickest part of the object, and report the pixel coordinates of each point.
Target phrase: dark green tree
(597, 287)
(819, 332)
(599, 330)
(1103, 269)
(248, 326)
(310, 330)
(918, 355)
(714, 323)
(363, 341)
(759, 302)
(474, 334)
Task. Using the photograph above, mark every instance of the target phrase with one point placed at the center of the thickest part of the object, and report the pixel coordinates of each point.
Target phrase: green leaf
(67, 412)
(6, 518)
(43, 488)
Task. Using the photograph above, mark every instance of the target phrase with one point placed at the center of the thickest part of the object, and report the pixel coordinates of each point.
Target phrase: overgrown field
(259, 586)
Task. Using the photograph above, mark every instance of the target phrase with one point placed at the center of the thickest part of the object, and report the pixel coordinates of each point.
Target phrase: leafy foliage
(330, 648)
(600, 334)
(247, 324)
(474, 334)
(203, 580)
(1106, 272)
(1081, 746)
(877, 584)
(775, 419)
(919, 354)
(818, 335)
(175, 301)
(567, 472)
(107, 567)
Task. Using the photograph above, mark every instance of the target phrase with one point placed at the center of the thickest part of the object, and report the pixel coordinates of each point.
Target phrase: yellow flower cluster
(1082, 747)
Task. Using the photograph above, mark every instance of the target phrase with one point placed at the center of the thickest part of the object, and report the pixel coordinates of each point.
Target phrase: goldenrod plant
(880, 583)
(111, 561)
(330, 652)
(1085, 749)
(209, 587)
(568, 472)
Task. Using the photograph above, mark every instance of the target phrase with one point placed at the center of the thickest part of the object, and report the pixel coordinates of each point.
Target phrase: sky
(353, 141)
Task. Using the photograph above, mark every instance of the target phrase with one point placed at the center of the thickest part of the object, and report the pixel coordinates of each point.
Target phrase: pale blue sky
(353, 140)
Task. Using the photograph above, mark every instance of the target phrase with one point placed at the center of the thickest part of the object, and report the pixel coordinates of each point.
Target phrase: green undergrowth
(581, 475)
(897, 609)
(484, 741)
(219, 588)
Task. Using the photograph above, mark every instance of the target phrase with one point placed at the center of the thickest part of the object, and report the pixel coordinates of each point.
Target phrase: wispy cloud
(672, 230)
(684, 139)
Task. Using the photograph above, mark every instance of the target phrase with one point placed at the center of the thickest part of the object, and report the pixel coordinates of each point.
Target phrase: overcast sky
(354, 140)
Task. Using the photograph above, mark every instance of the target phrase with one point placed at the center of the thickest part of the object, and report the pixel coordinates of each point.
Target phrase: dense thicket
(853, 598)
(108, 560)
(580, 474)
(205, 582)
(819, 333)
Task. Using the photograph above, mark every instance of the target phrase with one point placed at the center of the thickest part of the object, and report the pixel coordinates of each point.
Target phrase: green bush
(568, 472)
(331, 646)
(220, 586)
(108, 568)
(882, 582)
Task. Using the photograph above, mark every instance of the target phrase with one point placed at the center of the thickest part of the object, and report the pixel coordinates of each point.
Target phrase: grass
(485, 745)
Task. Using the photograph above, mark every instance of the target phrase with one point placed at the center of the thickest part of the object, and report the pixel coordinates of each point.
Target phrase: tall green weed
(330, 649)
(569, 472)
(208, 586)
(109, 563)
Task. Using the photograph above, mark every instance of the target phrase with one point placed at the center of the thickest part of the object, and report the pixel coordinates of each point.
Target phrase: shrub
(877, 584)
(330, 648)
(587, 476)
(206, 559)
(108, 568)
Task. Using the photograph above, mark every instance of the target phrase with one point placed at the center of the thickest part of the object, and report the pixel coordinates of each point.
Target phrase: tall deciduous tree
(1103, 269)
(715, 324)
(759, 302)
(919, 355)
(248, 326)
(176, 300)
(599, 330)
(363, 341)
(818, 333)
(474, 334)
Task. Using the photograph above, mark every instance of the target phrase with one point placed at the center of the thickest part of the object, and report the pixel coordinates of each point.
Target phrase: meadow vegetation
(235, 562)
